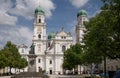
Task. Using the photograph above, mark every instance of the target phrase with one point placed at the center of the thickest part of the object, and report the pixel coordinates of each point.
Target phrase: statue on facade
(32, 49)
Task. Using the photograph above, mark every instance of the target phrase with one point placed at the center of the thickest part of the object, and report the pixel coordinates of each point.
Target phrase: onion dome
(51, 36)
(82, 13)
(39, 10)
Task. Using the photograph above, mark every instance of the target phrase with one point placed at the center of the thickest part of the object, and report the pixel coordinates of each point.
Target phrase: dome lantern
(82, 13)
(39, 10)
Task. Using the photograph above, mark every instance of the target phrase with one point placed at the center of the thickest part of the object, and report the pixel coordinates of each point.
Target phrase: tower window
(39, 20)
(50, 61)
(50, 71)
(39, 60)
(63, 48)
(39, 36)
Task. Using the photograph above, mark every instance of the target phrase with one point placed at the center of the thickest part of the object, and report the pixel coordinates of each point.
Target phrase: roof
(63, 33)
(51, 36)
(82, 13)
(22, 46)
(39, 10)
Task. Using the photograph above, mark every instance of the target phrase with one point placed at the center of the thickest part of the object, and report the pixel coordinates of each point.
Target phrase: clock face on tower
(40, 29)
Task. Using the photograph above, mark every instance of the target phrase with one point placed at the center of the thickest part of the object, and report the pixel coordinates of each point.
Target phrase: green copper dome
(39, 10)
(82, 13)
(51, 36)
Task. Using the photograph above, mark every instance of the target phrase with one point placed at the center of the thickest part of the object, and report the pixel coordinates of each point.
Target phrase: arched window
(63, 48)
(39, 20)
(39, 36)
(39, 60)
(50, 61)
(50, 71)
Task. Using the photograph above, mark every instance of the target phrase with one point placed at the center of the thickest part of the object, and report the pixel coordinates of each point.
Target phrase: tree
(103, 32)
(12, 54)
(3, 60)
(102, 39)
(112, 7)
(73, 57)
(22, 63)
(12, 57)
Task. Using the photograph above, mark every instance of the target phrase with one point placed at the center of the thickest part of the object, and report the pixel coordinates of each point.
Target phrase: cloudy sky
(16, 17)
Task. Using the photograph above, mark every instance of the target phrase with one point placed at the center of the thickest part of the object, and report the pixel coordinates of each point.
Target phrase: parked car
(117, 74)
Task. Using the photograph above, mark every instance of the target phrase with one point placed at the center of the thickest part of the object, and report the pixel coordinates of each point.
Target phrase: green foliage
(10, 57)
(73, 57)
(3, 60)
(103, 34)
(22, 63)
(113, 8)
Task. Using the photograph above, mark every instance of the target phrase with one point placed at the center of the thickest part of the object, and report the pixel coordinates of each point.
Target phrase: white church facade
(47, 52)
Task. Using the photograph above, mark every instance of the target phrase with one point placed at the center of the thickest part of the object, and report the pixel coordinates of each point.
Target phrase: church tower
(39, 37)
(80, 28)
(39, 25)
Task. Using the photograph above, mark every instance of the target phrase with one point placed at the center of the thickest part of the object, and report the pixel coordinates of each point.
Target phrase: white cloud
(5, 18)
(17, 35)
(26, 8)
(78, 3)
(9, 13)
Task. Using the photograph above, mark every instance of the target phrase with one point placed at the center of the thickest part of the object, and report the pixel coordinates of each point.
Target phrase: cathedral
(47, 52)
